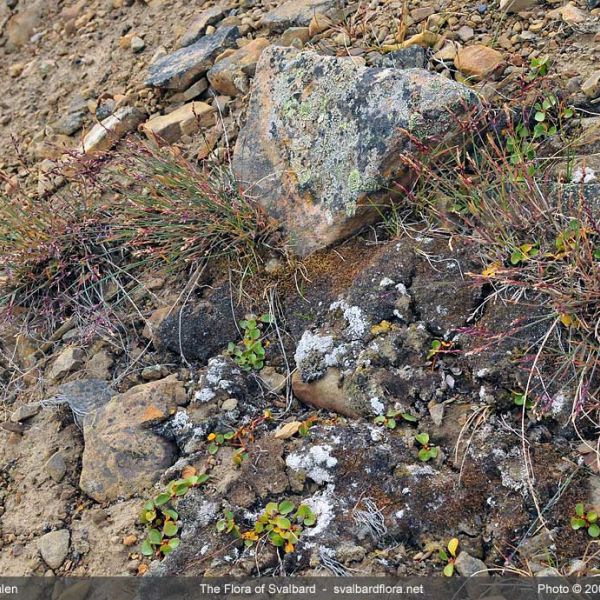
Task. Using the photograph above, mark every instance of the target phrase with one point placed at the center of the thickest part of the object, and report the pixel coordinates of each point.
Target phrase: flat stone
(229, 404)
(412, 57)
(420, 14)
(25, 411)
(325, 393)
(54, 547)
(296, 13)
(192, 92)
(185, 120)
(447, 53)
(466, 33)
(569, 13)
(122, 456)
(322, 140)
(68, 360)
(104, 135)
(56, 466)
(469, 566)
(478, 61)
(178, 70)
(198, 26)
(294, 33)
(231, 76)
(515, 6)
(591, 86)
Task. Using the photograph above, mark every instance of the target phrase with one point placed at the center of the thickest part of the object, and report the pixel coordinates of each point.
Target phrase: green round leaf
(162, 499)
(422, 438)
(579, 510)
(592, 517)
(594, 530)
(170, 528)
(172, 514)
(283, 522)
(286, 507)
(154, 536)
(423, 455)
(146, 548)
(276, 539)
(449, 570)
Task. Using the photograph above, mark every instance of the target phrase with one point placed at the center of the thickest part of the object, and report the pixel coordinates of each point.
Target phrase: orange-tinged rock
(478, 62)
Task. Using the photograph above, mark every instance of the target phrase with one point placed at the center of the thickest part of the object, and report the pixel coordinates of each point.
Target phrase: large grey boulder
(178, 70)
(324, 138)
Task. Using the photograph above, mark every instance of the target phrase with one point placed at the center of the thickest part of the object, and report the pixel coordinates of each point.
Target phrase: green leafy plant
(250, 353)
(280, 523)
(449, 557)
(228, 525)
(437, 347)
(550, 115)
(161, 519)
(389, 419)
(521, 399)
(538, 67)
(427, 451)
(583, 520)
(217, 440)
(523, 253)
(519, 146)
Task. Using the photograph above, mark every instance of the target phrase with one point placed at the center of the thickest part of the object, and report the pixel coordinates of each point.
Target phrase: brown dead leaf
(287, 430)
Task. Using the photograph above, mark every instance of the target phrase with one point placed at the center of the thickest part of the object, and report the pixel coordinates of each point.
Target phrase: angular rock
(104, 135)
(515, 6)
(591, 86)
(25, 411)
(198, 26)
(297, 13)
(54, 547)
(469, 566)
(178, 70)
(294, 33)
(323, 139)
(56, 466)
(122, 455)
(185, 120)
(478, 61)
(68, 360)
(231, 76)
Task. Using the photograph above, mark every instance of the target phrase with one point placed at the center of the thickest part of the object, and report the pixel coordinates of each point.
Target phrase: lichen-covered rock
(370, 348)
(122, 455)
(178, 70)
(324, 138)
